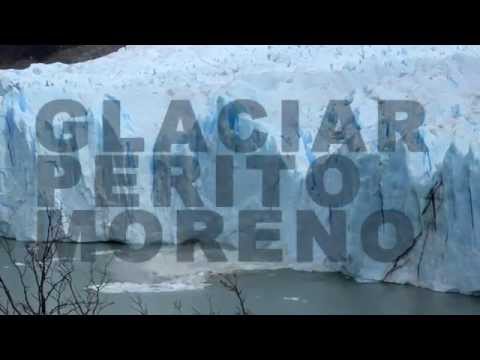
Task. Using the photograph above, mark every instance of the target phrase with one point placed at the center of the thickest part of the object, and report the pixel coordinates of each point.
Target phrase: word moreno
(337, 127)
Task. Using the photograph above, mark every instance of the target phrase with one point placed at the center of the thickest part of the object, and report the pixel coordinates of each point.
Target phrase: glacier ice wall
(438, 190)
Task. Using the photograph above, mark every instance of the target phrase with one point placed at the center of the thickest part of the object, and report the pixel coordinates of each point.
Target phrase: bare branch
(230, 283)
(138, 305)
(53, 291)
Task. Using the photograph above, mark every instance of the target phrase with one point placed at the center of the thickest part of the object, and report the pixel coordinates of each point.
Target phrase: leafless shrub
(138, 305)
(178, 305)
(211, 308)
(46, 282)
(230, 283)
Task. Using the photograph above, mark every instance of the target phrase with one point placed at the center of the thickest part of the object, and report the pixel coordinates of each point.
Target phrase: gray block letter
(316, 185)
(224, 180)
(290, 125)
(249, 235)
(153, 235)
(77, 132)
(188, 236)
(227, 120)
(164, 180)
(111, 131)
(310, 228)
(349, 133)
(48, 180)
(370, 236)
(270, 166)
(180, 111)
(388, 125)
(106, 179)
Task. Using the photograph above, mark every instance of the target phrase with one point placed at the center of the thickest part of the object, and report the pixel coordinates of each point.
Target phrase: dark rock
(21, 56)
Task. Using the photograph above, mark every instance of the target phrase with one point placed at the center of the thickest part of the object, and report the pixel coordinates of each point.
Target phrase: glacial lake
(168, 287)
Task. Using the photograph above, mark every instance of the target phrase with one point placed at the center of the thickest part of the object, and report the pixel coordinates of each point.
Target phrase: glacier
(438, 190)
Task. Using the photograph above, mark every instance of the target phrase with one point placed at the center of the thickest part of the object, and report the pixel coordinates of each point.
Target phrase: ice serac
(439, 190)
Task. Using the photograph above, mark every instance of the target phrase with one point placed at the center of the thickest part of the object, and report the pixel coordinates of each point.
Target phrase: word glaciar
(115, 176)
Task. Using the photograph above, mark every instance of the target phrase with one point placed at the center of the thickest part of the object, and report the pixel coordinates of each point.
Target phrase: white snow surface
(444, 79)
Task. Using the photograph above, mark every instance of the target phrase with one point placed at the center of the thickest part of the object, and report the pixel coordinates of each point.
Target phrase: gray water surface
(269, 291)
(300, 293)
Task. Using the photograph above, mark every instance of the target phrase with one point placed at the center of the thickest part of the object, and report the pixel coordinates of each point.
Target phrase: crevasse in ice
(445, 254)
